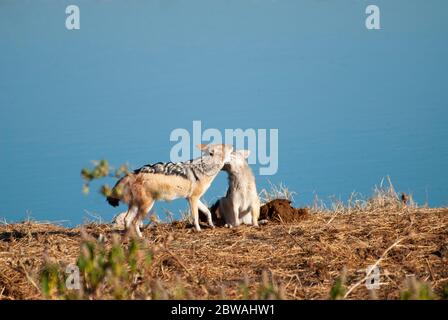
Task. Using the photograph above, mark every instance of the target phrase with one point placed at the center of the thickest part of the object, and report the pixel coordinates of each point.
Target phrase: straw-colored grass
(321, 257)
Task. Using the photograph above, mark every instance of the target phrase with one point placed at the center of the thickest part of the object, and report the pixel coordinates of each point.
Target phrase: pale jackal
(241, 203)
(168, 181)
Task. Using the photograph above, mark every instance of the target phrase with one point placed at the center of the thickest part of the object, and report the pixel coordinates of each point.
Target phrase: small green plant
(52, 281)
(268, 289)
(416, 290)
(338, 290)
(106, 271)
(179, 292)
(244, 288)
(445, 292)
(102, 169)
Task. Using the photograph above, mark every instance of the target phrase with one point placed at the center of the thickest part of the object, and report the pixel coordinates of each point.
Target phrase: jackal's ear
(244, 153)
(202, 147)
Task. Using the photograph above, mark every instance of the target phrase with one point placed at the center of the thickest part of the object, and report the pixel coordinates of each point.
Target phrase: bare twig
(28, 277)
(372, 268)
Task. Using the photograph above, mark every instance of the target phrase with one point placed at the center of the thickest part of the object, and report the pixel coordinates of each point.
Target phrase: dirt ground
(303, 253)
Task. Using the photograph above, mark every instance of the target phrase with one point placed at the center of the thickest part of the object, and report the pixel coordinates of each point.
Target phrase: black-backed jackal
(169, 181)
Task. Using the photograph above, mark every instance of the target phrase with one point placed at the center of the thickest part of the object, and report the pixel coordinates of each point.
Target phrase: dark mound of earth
(281, 210)
(278, 210)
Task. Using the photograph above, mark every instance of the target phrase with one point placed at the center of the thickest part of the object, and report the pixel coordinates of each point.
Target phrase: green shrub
(416, 290)
(105, 271)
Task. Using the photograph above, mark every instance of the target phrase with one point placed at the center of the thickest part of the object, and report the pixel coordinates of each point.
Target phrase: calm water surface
(351, 105)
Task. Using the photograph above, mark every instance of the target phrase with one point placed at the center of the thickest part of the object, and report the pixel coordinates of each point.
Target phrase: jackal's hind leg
(130, 216)
(225, 209)
(143, 211)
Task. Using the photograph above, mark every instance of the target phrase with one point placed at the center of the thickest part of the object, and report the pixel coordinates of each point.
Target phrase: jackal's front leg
(194, 212)
(204, 208)
(255, 212)
(236, 215)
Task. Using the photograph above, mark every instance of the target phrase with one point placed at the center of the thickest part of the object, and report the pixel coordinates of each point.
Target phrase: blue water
(351, 105)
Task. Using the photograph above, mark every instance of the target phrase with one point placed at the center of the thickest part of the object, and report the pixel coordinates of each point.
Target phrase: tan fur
(241, 204)
(141, 190)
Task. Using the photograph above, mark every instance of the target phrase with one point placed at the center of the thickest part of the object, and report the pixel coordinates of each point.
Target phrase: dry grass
(305, 259)
(322, 255)
(276, 192)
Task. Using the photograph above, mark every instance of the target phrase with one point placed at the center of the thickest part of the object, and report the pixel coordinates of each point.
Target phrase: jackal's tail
(118, 191)
(114, 202)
